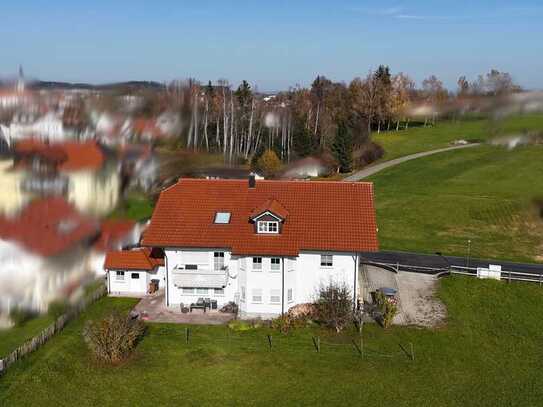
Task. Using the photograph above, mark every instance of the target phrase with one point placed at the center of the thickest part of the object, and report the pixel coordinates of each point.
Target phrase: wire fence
(277, 342)
(37, 341)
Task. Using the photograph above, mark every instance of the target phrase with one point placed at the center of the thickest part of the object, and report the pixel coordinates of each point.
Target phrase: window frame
(272, 264)
(218, 294)
(261, 295)
(290, 295)
(263, 227)
(274, 292)
(216, 260)
(200, 292)
(226, 218)
(258, 269)
(134, 274)
(325, 263)
(119, 275)
(184, 290)
(191, 267)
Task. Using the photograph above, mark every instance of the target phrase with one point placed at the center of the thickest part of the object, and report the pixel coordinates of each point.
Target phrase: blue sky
(274, 44)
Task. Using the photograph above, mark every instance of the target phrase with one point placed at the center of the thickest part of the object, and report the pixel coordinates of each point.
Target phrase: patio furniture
(208, 302)
(201, 304)
(214, 304)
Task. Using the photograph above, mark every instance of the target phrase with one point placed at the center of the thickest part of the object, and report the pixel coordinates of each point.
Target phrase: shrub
(369, 153)
(231, 308)
(334, 306)
(57, 308)
(388, 308)
(114, 337)
(286, 322)
(20, 316)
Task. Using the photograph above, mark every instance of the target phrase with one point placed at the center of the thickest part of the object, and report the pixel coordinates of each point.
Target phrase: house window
(290, 296)
(202, 291)
(327, 260)
(256, 295)
(222, 218)
(275, 296)
(218, 261)
(119, 275)
(268, 226)
(191, 267)
(242, 293)
(275, 264)
(135, 276)
(187, 290)
(257, 263)
(218, 291)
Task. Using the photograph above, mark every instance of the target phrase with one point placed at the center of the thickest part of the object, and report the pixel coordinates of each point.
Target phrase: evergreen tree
(342, 148)
(303, 142)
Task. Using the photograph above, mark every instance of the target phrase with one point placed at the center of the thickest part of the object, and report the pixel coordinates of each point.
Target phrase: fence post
(317, 343)
(270, 342)
(187, 335)
(412, 351)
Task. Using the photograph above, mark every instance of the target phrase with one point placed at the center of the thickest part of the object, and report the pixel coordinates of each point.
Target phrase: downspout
(167, 286)
(355, 281)
(108, 277)
(282, 286)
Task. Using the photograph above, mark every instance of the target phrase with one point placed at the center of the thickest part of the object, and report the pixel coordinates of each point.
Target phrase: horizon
(273, 48)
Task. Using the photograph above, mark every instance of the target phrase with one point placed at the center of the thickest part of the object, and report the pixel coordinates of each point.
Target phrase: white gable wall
(303, 275)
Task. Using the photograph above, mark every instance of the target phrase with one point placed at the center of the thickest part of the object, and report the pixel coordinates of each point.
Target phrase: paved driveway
(368, 171)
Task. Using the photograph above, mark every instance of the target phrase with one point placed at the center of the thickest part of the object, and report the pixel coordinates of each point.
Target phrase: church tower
(20, 81)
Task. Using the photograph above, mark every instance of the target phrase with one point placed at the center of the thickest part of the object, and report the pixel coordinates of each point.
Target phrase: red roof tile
(138, 259)
(324, 216)
(271, 205)
(48, 227)
(69, 156)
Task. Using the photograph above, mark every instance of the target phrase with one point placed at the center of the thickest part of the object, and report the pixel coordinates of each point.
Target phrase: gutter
(282, 286)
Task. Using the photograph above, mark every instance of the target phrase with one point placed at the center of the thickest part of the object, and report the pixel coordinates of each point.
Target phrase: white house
(266, 245)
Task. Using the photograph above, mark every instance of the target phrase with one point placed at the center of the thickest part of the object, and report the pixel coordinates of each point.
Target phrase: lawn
(11, 338)
(417, 139)
(484, 194)
(136, 206)
(488, 354)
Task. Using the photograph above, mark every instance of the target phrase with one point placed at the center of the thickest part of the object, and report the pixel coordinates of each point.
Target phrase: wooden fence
(32, 344)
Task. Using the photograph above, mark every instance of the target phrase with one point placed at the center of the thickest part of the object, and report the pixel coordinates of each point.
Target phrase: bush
(369, 153)
(58, 308)
(286, 322)
(20, 316)
(113, 338)
(231, 308)
(334, 306)
(388, 308)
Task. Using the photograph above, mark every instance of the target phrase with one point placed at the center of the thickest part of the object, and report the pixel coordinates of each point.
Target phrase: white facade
(262, 286)
(133, 282)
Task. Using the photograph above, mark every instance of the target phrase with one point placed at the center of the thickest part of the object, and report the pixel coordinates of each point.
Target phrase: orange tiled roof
(139, 259)
(324, 216)
(271, 205)
(73, 156)
(112, 231)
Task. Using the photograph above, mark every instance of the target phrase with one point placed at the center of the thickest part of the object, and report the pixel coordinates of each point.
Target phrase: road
(442, 262)
(366, 172)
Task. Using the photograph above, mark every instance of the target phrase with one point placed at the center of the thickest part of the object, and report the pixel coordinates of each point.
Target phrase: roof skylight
(222, 217)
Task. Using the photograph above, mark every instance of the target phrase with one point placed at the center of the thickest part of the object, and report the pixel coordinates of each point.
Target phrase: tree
(496, 83)
(383, 87)
(303, 142)
(269, 164)
(402, 90)
(342, 148)
(335, 306)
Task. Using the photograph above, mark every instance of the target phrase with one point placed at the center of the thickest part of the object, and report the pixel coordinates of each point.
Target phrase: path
(366, 172)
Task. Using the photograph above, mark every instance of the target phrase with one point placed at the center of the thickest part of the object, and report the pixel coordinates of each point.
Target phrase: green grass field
(489, 354)
(484, 194)
(417, 139)
(11, 338)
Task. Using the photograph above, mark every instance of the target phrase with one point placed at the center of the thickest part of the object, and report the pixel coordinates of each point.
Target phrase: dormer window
(265, 226)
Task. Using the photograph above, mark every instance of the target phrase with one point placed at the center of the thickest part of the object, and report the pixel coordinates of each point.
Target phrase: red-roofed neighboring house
(268, 245)
(45, 252)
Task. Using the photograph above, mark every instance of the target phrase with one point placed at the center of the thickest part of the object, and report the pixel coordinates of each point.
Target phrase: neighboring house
(49, 127)
(44, 254)
(267, 245)
(81, 172)
(132, 271)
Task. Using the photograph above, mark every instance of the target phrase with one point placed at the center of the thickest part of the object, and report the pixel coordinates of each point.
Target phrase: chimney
(252, 180)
